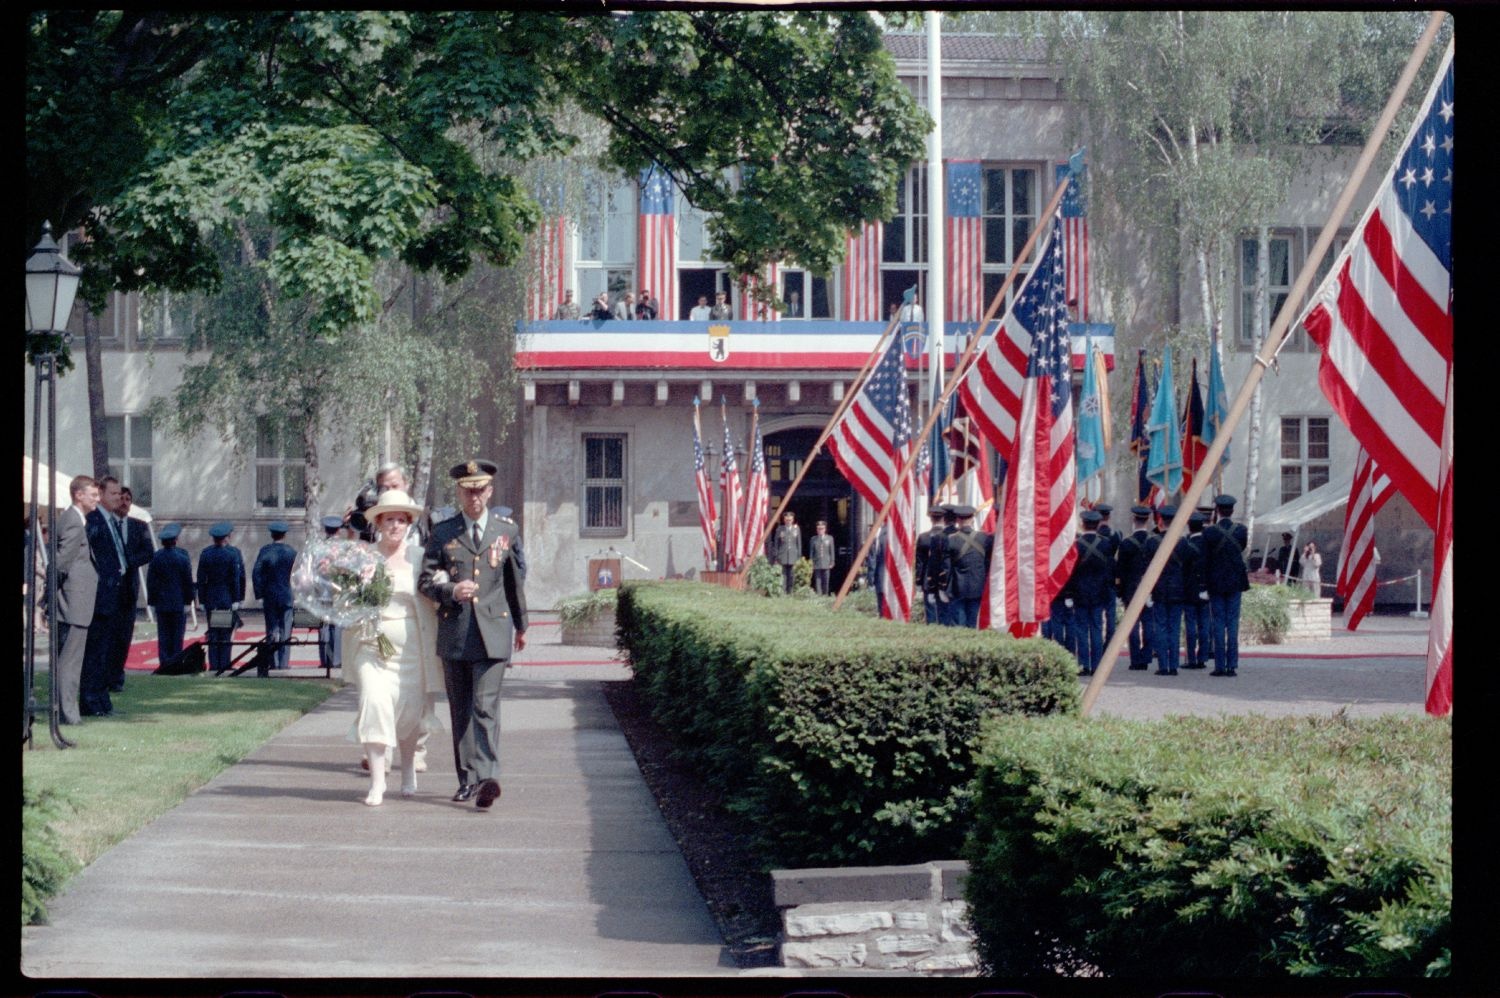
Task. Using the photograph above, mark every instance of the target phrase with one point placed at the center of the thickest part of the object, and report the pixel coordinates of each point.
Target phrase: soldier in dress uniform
(929, 562)
(517, 554)
(939, 568)
(469, 572)
(221, 586)
(169, 590)
(1176, 590)
(1131, 558)
(1226, 579)
(786, 547)
(823, 553)
(1111, 535)
(968, 565)
(1088, 590)
(1195, 612)
(271, 581)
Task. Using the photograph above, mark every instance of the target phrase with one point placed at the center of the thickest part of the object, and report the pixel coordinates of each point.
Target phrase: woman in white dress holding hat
(393, 690)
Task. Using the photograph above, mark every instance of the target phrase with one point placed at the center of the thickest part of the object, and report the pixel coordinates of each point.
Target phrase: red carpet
(143, 658)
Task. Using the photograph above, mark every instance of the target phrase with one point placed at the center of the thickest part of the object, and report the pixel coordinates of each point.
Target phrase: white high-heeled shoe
(374, 798)
(409, 789)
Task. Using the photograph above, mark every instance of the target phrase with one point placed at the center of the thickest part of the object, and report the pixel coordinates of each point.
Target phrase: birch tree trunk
(313, 476)
(1258, 337)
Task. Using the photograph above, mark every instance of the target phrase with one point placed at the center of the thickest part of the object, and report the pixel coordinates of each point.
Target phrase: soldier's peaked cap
(1225, 502)
(1091, 516)
(221, 529)
(474, 474)
(962, 511)
(170, 531)
(1140, 511)
(1104, 509)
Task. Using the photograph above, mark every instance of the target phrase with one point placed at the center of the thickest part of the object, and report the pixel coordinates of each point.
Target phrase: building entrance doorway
(823, 495)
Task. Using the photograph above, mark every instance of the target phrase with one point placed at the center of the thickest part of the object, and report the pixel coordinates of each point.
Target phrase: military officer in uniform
(823, 554)
(1131, 558)
(968, 565)
(1088, 589)
(469, 572)
(271, 581)
(929, 562)
(786, 548)
(1226, 579)
(169, 590)
(1195, 612)
(1176, 589)
(1111, 535)
(221, 586)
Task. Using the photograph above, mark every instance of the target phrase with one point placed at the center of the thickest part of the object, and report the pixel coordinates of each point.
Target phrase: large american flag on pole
(729, 481)
(965, 242)
(757, 496)
(1019, 393)
(656, 241)
(1075, 224)
(1355, 582)
(862, 275)
(705, 488)
(751, 309)
(548, 269)
(870, 444)
(1383, 321)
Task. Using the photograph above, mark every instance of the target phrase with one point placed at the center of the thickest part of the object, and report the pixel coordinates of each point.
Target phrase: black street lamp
(51, 287)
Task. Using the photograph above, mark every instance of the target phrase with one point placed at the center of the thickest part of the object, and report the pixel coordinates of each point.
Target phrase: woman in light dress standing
(393, 692)
(1312, 570)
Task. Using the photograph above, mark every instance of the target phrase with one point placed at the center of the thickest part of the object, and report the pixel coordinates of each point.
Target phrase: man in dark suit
(138, 552)
(107, 540)
(968, 560)
(169, 590)
(221, 586)
(77, 587)
(1226, 579)
(272, 580)
(469, 572)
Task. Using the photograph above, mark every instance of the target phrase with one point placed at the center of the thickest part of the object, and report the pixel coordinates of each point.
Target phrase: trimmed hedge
(842, 739)
(1192, 847)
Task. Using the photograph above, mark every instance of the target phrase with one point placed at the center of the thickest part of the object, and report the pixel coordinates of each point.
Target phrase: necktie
(119, 532)
(476, 535)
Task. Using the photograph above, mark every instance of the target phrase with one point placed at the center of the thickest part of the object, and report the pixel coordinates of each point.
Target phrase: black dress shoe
(1085, 672)
(465, 792)
(1218, 672)
(117, 689)
(1138, 668)
(1165, 672)
(488, 792)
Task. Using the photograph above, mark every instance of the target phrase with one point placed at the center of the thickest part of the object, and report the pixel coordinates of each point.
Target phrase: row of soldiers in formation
(1197, 594)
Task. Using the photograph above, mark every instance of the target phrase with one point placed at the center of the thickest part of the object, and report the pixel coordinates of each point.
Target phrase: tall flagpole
(934, 307)
(1268, 350)
(1044, 223)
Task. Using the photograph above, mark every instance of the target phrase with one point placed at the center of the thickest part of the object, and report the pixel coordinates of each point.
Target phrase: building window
(128, 440)
(1278, 285)
(807, 296)
(280, 465)
(1304, 455)
(603, 485)
(167, 316)
(606, 238)
(1010, 211)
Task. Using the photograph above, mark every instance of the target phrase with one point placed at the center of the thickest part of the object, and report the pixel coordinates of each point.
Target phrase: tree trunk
(94, 366)
(312, 475)
(1252, 443)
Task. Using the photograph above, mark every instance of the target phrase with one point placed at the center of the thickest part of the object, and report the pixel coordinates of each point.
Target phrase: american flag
(549, 269)
(750, 309)
(870, 444)
(862, 275)
(1075, 238)
(1194, 447)
(1383, 321)
(656, 250)
(1440, 634)
(729, 481)
(706, 512)
(757, 496)
(1355, 582)
(965, 242)
(1019, 393)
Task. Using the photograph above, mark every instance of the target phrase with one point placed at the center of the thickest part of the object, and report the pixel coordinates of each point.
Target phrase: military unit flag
(1164, 460)
(1194, 449)
(1140, 408)
(1091, 446)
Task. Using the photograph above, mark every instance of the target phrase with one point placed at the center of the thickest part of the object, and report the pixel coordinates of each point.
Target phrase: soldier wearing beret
(468, 570)
(1226, 579)
(169, 590)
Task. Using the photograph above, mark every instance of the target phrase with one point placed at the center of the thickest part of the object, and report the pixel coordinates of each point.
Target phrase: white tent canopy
(1308, 506)
(64, 495)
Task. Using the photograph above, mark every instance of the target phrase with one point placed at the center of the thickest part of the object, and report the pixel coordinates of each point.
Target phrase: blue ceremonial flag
(1164, 466)
(936, 446)
(1090, 444)
(1216, 408)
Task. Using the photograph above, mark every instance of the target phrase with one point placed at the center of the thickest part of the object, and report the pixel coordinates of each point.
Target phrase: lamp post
(51, 287)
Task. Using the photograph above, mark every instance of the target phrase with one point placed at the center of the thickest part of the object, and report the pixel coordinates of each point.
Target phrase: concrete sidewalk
(277, 869)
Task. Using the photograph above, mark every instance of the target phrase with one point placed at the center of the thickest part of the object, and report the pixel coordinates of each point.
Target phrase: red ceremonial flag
(706, 514)
(862, 275)
(1355, 581)
(1194, 450)
(1383, 320)
(870, 444)
(656, 249)
(729, 481)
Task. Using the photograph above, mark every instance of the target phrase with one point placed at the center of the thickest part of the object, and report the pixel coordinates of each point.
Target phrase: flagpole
(857, 385)
(1263, 359)
(959, 371)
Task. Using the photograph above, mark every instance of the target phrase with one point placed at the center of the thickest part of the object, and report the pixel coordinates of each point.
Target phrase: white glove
(1150, 602)
(1203, 594)
(1068, 603)
(234, 606)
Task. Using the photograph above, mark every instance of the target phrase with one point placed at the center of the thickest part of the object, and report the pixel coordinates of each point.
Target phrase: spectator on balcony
(600, 309)
(721, 309)
(645, 309)
(625, 307)
(701, 312)
(567, 308)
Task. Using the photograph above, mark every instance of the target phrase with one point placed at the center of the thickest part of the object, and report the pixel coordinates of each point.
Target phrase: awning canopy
(1308, 506)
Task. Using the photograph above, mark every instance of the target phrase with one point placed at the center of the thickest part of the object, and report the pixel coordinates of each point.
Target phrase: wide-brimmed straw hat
(393, 501)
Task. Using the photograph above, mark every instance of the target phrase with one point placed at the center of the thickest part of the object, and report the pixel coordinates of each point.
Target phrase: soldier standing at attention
(929, 560)
(1088, 590)
(823, 553)
(169, 590)
(1227, 579)
(271, 581)
(221, 586)
(968, 563)
(786, 548)
(1196, 615)
(469, 572)
(1108, 533)
(1131, 558)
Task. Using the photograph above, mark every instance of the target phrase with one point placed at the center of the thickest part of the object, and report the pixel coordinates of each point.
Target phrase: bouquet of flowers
(344, 583)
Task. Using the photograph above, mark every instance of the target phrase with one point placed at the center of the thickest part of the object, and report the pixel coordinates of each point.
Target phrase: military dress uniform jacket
(272, 574)
(1177, 582)
(169, 580)
(968, 562)
(821, 550)
(1091, 582)
(484, 628)
(786, 544)
(1224, 563)
(1132, 557)
(221, 577)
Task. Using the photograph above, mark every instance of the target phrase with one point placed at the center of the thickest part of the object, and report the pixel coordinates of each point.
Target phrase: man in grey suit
(77, 583)
(469, 571)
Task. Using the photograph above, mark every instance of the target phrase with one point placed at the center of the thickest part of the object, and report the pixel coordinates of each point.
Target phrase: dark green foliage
(842, 738)
(45, 865)
(1213, 848)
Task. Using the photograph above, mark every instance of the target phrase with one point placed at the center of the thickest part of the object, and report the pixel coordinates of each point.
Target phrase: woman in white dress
(393, 691)
(1312, 570)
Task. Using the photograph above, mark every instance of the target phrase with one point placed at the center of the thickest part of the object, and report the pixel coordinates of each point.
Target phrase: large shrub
(45, 864)
(840, 738)
(1223, 848)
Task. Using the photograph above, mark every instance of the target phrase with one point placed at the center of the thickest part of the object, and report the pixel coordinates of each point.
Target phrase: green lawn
(168, 737)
